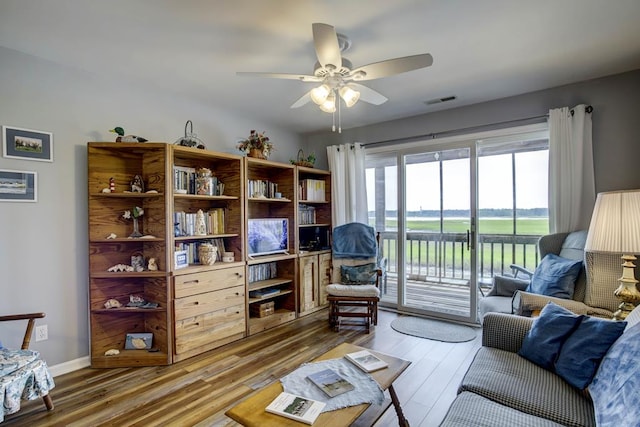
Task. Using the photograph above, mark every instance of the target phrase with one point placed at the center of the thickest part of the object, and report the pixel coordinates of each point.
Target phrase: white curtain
(348, 184)
(571, 176)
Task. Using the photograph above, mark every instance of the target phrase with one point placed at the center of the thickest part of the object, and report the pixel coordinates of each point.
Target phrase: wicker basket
(301, 160)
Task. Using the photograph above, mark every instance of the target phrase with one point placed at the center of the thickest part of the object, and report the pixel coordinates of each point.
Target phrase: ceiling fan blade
(368, 95)
(325, 41)
(302, 101)
(300, 77)
(392, 66)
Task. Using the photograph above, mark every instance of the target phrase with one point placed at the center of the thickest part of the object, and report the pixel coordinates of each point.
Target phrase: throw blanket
(354, 240)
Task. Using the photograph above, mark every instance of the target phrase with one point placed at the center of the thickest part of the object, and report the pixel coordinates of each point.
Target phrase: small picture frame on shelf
(27, 144)
(138, 341)
(18, 186)
(181, 259)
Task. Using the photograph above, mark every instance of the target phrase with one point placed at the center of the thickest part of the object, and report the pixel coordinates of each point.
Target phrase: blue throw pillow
(555, 277)
(358, 275)
(544, 340)
(614, 389)
(583, 350)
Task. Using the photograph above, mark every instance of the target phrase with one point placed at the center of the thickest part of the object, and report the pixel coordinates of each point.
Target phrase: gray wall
(616, 124)
(43, 249)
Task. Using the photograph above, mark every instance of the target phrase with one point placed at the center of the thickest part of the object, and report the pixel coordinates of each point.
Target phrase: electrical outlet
(42, 333)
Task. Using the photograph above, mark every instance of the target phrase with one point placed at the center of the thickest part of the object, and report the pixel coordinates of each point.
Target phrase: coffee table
(250, 412)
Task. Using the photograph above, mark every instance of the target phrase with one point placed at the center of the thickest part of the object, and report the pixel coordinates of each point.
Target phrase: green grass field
(528, 226)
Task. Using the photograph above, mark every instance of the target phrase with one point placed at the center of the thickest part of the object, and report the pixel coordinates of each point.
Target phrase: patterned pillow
(614, 389)
(358, 275)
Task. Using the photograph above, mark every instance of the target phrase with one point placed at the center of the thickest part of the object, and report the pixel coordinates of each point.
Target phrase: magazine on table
(330, 382)
(366, 361)
(296, 407)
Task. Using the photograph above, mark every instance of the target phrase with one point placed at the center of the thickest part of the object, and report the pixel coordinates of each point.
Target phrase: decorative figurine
(137, 184)
(112, 352)
(112, 303)
(137, 262)
(111, 236)
(201, 226)
(112, 185)
(126, 138)
(152, 265)
(120, 268)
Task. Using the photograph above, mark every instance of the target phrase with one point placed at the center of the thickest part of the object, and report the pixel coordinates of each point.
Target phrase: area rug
(433, 329)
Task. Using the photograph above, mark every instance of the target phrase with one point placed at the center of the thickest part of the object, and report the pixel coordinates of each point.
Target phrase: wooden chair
(23, 374)
(358, 295)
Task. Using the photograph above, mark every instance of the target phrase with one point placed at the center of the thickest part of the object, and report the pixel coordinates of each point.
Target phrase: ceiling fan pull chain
(339, 115)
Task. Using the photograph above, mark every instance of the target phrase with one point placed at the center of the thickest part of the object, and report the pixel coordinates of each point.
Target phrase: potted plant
(256, 145)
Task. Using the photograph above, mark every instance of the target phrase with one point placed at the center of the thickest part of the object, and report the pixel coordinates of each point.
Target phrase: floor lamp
(615, 228)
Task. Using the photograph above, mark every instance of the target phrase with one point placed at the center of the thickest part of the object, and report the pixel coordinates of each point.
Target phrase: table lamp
(615, 228)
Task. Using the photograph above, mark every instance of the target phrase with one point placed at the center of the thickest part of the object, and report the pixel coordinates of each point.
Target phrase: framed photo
(139, 341)
(18, 186)
(27, 144)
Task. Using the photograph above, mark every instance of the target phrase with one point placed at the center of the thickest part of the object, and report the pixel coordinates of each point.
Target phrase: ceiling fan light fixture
(319, 94)
(349, 96)
(329, 105)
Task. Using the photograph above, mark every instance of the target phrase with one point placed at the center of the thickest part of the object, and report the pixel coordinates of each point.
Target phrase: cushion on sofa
(358, 275)
(555, 276)
(614, 389)
(511, 380)
(544, 341)
(470, 409)
(584, 348)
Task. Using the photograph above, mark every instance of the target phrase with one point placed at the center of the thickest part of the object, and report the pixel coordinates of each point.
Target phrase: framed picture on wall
(18, 186)
(27, 144)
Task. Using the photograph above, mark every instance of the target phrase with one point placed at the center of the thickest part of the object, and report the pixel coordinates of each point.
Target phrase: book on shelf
(366, 361)
(330, 382)
(296, 407)
(265, 292)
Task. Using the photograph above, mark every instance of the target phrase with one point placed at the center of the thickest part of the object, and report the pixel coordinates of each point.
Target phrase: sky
(494, 183)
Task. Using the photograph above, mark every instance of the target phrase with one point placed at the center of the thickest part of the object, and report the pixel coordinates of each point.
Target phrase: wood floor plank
(197, 391)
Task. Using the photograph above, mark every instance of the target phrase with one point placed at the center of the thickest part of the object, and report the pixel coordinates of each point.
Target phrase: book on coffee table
(366, 361)
(330, 382)
(296, 407)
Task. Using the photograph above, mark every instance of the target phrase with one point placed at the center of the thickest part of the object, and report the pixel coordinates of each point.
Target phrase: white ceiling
(482, 50)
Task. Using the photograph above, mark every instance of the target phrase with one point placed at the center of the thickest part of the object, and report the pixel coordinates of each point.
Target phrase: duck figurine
(126, 138)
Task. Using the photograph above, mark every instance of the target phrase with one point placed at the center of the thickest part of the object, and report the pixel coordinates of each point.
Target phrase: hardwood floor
(197, 391)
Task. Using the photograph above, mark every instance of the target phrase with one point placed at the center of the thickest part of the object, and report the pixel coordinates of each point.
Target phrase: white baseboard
(70, 366)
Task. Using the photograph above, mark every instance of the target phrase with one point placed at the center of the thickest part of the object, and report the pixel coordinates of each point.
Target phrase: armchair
(23, 374)
(506, 294)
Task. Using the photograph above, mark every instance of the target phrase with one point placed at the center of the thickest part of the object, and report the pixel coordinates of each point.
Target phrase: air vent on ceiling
(440, 100)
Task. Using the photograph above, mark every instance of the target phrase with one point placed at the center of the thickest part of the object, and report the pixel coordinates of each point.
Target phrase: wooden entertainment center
(189, 309)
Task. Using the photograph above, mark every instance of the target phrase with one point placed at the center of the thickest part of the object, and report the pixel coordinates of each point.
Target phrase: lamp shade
(319, 94)
(329, 105)
(349, 96)
(615, 223)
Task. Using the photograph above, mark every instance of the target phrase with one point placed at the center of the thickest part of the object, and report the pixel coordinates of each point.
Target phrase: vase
(136, 232)
(257, 153)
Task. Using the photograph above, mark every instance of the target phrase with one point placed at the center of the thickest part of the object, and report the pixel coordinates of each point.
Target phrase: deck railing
(445, 256)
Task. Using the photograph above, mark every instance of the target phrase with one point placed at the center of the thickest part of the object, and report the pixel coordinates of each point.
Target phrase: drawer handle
(239, 275)
(192, 281)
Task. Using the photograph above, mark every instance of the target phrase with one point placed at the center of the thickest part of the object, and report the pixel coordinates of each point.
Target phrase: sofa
(503, 388)
(593, 289)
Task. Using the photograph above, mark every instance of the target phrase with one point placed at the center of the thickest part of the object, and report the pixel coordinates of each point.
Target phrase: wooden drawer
(206, 303)
(208, 328)
(213, 280)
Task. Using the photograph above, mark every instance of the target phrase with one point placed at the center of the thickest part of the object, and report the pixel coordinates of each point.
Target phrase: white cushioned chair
(354, 289)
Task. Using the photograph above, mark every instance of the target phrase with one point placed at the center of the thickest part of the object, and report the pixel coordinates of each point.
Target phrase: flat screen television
(268, 236)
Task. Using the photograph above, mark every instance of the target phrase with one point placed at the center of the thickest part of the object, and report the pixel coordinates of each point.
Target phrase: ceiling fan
(337, 77)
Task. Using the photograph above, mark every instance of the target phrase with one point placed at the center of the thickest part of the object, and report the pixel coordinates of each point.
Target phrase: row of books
(307, 410)
(186, 181)
(192, 249)
(266, 271)
(185, 222)
(312, 190)
(306, 214)
(262, 188)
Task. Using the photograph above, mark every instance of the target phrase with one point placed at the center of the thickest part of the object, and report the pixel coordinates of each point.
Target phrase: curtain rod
(434, 135)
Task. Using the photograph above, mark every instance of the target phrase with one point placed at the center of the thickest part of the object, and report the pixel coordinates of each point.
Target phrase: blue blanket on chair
(354, 240)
